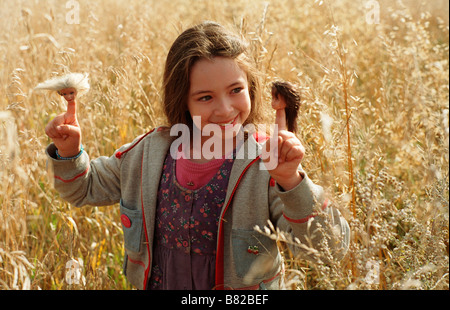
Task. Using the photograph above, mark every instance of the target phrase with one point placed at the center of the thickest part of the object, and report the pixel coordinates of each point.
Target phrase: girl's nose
(224, 107)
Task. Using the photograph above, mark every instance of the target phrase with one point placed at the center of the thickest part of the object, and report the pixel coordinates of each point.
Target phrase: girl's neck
(200, 154)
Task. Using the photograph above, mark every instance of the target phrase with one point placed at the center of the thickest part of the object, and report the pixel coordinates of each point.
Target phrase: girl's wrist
(68, 156)
(288, 184)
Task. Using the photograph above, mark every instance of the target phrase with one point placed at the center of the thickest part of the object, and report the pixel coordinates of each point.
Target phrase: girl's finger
(52, 134)
(290, 149)
(280, 119)
(283, 147)
(51, 131)
(295, 153)
(270, 152)
(68, 130)
(71, 109)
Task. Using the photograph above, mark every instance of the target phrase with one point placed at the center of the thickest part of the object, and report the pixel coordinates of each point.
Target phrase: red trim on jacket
(220, 240)
(119, 154)
(305, 219)
(260, 137)
(74, 178)
(138, 262)
(145, 229)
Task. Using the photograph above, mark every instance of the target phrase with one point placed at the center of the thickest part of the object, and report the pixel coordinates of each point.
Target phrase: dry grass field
(374, 77)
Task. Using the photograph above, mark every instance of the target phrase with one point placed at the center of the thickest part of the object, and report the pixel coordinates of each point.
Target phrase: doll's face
(68, 93)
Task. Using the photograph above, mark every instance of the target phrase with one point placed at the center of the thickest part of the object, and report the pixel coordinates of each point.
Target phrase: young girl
(188, 220)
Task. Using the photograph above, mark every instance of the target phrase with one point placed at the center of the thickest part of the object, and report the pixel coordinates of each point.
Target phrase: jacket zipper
(220, 240)
(145, 230)
(220, 243)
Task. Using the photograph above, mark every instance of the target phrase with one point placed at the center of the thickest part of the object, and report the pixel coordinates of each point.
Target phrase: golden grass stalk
(389, 177)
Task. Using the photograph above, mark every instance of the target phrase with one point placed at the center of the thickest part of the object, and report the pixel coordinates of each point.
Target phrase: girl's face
(218, 93)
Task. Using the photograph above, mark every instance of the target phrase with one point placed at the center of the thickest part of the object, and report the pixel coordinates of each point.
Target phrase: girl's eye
(205, 98)
(237, 90)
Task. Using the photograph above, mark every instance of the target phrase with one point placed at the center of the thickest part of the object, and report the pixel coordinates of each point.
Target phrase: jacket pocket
(255, 256)
(132, 227)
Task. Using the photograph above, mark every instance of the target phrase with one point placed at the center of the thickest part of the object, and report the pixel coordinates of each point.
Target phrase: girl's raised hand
(64, 129)
(287, 148)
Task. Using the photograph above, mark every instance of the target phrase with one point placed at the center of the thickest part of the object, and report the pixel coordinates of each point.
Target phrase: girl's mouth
(228, 124)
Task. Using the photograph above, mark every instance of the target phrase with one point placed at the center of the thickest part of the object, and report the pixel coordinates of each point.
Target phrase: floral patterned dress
(184, 249)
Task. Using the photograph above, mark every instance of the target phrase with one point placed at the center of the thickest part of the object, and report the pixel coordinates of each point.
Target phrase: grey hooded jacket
(131, 178)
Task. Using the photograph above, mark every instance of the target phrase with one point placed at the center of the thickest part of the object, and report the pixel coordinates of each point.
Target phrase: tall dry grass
(374, 122)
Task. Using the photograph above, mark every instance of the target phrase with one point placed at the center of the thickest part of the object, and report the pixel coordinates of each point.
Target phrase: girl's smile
(228, 124)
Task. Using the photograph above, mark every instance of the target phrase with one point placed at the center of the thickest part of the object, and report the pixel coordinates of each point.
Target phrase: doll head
(68, 86)
(291, 102)
(69, 94)
(204, 41)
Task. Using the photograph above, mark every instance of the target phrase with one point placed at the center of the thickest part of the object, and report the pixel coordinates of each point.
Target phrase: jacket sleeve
(318, 230)
(82, 182)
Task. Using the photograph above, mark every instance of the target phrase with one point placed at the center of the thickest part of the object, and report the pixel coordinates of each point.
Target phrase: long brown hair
(205, 40)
